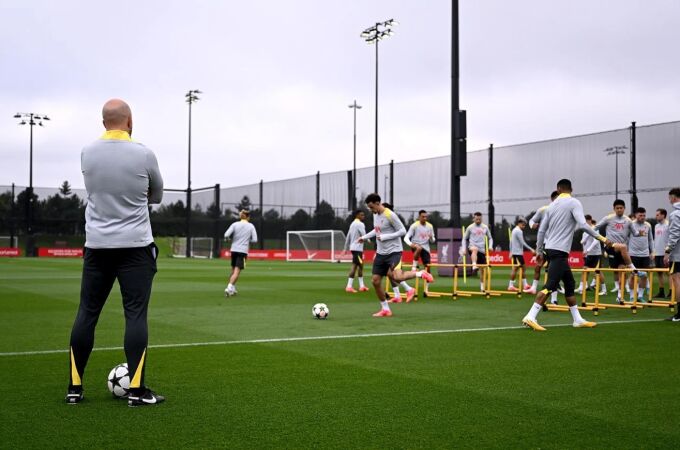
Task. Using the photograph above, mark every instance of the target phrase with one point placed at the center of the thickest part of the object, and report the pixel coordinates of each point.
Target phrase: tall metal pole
(354, 106)
(375, 172)
(492, 208)
(616, 176)
(455, 105)
(633, 168)
(188, 246)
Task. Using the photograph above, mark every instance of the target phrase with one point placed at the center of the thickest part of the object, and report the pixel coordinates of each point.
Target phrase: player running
(660, 241)
(641, 245)
(419, 237)
(476, 240)
(387, 230)
(555, 236)
(592, 251)
(242, 234)
(517, 246)
(396, 294)
(534, 223)
(356, 230)
(672, 251)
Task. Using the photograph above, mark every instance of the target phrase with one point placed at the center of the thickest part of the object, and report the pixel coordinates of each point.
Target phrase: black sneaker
(675, 318)
(148, 398)
(670, 295)
(660, 295)
(74, 396)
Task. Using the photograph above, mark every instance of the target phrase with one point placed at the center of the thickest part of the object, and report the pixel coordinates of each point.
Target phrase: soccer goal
(201, 247)
(9, 241)
(320, 245)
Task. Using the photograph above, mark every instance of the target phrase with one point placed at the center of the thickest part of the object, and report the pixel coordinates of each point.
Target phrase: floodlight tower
(33, 119)
(354, 106)
(190, 97)
(616, 151)
(372, 35)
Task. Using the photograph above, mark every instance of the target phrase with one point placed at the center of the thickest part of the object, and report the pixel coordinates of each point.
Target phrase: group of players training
(630, 243)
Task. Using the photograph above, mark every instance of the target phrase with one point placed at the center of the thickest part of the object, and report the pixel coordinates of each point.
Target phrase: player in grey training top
(387, 230)
(640, 247)
(122, 179)
(517, 246)
(660, 241)
(671, 256)
(555, 236)
(356, 230)
(617, 229)
(592, 251)
(242, 234)
(476, 239)
(419, 236)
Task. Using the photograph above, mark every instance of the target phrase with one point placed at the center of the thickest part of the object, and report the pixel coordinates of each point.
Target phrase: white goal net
(320, 245)
(201, 247)
(7, 241)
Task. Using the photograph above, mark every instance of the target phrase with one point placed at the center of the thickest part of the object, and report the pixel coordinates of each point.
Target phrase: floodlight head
(45, 118)
(23, 122)
(40, 123)
(17, 116)
(196, 91)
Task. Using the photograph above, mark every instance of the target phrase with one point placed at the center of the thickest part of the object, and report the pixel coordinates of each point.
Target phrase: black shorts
(615, 259)
(559, 270)
(239, 260)
(675, 265)
(385, 263)
(357, 258)
(424, 257)
(592, 261)
(481, 257)
(640, 262)
(518, 260)
(658, 262)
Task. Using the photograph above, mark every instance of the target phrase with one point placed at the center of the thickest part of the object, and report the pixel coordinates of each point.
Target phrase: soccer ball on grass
(119, 381)
(320, 311)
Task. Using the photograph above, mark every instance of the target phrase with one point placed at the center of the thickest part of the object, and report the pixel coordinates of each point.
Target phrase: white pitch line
(318, 338)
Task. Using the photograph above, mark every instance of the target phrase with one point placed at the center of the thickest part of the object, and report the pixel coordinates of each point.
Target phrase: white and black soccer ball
(119, 380)
(320, 311)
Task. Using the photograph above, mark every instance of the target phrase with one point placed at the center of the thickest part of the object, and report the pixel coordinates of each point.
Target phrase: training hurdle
(519, 275)
(455, 291)
(596, 305)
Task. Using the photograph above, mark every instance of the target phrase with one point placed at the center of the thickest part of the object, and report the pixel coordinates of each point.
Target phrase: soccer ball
(119, 380)
(320, 311)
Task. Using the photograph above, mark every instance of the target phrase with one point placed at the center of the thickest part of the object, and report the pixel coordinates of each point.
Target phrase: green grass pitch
(352, 381)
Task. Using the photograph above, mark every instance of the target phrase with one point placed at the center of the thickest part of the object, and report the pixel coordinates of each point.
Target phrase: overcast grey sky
(278, 76)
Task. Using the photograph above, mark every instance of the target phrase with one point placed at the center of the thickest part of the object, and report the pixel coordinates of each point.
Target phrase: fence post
(217, 235)
(492, 209)
(261, 215)
(633, 188)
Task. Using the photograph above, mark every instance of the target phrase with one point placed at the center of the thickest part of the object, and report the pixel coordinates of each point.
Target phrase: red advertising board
(9, 252)
(59, 252)
(502, 257)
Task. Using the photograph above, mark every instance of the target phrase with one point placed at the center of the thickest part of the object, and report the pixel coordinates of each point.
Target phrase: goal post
(9, 241)
(317, 245)
(201, 247)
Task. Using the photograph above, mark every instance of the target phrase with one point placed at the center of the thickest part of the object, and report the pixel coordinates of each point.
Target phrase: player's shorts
(357, 258)
(481, 257)
(518, 260)
(382, 264)
(675, 265)
(615, 259)
(559, 270)
(239, 260)
(425, 257)
(658, 262)
(640, 262)
(592, 261)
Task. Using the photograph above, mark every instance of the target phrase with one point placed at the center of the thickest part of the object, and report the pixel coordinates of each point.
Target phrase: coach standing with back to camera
(121, 178)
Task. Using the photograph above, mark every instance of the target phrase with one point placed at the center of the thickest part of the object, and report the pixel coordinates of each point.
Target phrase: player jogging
(555, 236)
(396, 294)
(592, 252)
(356, 230)
(517, 246)
(476, 240)
(672, 251)
(387, 230)
(242, 234)
(419, 236)
(641, 246)
(660, 241)
(534, 223)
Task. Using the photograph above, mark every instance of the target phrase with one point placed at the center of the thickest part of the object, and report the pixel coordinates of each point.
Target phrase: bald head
(117, 115)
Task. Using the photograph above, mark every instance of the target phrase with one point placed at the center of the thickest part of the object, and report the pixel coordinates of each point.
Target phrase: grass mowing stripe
(318, 338)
